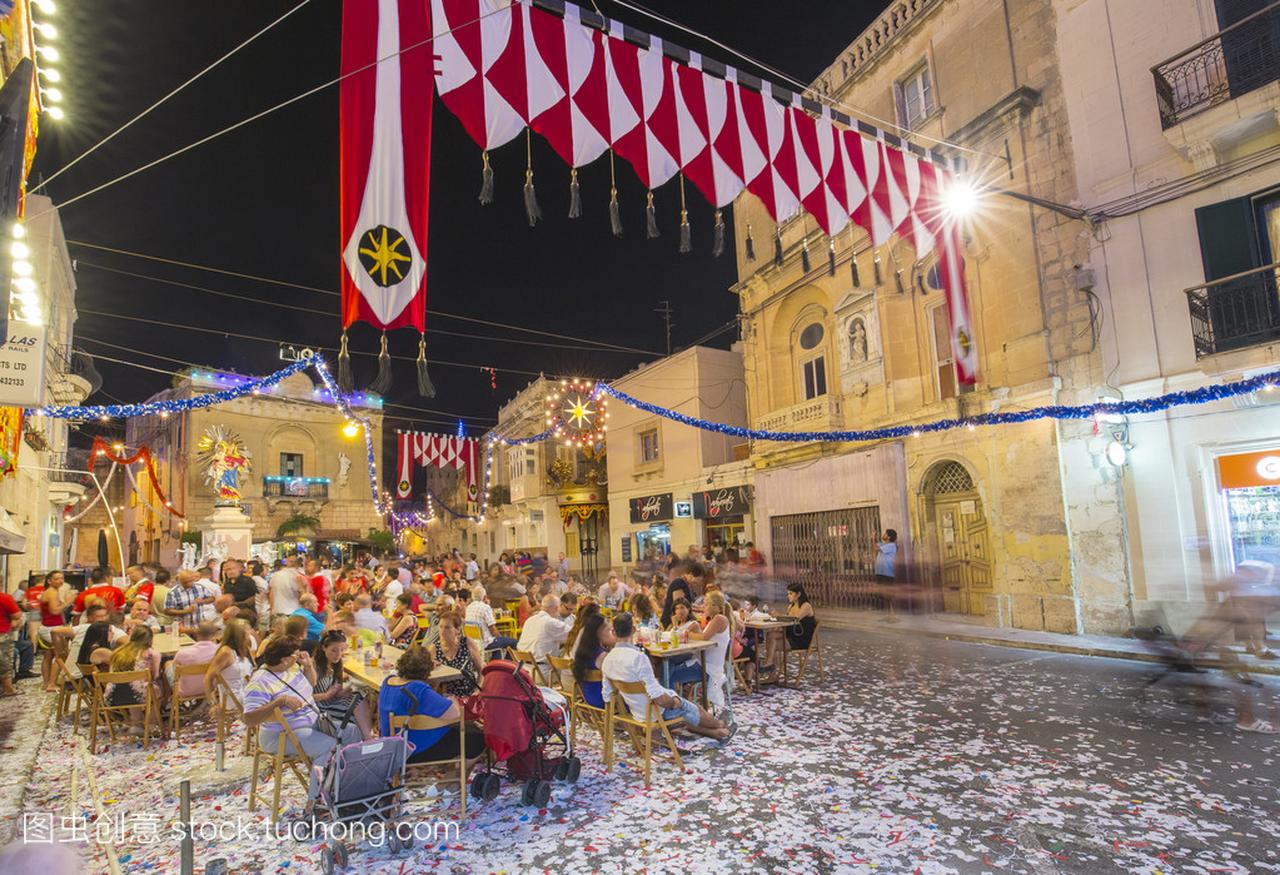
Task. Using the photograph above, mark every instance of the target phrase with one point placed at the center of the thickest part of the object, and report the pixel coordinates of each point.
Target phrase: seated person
(681, 669)
(403, 625)
(480, 614)
(407, 692)
(613, 592)
(331, 694)
(367, 618)
(91, 642)
(308, 612)
(200, 653)
(456, 650)
(594, 642)
(545, 632)
(628, 663)
(140, 614)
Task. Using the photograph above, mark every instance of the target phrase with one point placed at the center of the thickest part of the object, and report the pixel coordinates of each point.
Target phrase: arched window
(811, 359)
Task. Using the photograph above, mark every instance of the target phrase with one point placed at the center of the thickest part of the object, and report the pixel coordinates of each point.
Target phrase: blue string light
(1203, 395)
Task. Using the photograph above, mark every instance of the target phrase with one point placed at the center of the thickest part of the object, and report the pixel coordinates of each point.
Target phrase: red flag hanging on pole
(385, 141)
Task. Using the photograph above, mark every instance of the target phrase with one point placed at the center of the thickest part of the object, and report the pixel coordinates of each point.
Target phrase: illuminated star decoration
(383, 253)
(576, 413)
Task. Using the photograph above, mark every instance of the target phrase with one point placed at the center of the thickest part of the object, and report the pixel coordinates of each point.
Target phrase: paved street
(914, 755)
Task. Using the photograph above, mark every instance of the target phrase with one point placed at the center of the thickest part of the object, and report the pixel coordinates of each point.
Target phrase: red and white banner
(507, 66)
(385, 142)
(417, 449)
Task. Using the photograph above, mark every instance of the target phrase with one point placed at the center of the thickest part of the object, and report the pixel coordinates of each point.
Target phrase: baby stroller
(524, 737)
(360, 789)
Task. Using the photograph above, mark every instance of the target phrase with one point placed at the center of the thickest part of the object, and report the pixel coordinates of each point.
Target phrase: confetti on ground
(912, 756)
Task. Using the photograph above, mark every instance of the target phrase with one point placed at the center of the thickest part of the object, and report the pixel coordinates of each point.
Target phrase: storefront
(1249, 489)
(655, 512)
(723, 512)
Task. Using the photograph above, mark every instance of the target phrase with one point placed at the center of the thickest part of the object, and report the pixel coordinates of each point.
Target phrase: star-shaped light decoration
(576, 413)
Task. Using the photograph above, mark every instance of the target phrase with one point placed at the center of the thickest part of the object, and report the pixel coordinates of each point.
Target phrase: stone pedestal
(228, 528)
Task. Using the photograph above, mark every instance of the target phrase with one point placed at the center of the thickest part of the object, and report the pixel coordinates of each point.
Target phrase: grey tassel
(805, 266)
(853, 269)
(831, 257)
(382, 382)
(686, 233)
(575, 195)
(486, 183)
(346, 383)
(650, 218)
(615, 213)
(531, 208)
(717, 245)
(875, 266)
(777, 248)
(425, 387)
(897, 279)
(751, 245)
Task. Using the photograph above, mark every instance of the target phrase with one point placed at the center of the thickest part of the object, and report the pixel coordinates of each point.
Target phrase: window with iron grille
(951, 478)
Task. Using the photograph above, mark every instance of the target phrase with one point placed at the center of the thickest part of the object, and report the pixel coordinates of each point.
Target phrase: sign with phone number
(22, 360)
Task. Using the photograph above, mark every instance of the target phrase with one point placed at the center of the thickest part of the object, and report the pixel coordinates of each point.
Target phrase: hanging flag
(404, 465)
(385, 101)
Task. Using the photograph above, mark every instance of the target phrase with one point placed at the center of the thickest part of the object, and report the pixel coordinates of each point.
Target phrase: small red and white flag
(385, 109)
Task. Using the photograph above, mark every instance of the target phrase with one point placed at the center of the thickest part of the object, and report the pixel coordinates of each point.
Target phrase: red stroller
(524, 737)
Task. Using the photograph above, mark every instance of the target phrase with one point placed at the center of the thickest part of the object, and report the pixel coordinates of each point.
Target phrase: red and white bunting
(505, 68)
(417, 449)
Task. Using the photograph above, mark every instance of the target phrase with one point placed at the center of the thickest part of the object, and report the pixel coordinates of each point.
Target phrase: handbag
(323, 724)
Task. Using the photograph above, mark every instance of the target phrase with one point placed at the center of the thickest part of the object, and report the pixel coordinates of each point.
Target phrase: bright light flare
(350, 428)
(56, 113)
(960, 199)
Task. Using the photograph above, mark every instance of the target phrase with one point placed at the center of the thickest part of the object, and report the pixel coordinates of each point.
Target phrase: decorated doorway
(957, 527)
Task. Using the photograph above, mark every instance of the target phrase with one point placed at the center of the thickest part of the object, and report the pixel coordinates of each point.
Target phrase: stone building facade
(302, 463)
(1015, 523)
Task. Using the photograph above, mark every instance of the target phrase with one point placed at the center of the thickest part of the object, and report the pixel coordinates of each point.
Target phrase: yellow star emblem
(381, 253)
(578, 412)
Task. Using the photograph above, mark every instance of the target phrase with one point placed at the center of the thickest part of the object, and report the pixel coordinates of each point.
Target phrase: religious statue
(188, 553)
(857, 341)
(224, 458)
(344, 468)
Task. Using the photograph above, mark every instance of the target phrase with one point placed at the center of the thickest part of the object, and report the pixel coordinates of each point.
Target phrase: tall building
(1174, 111)
(988, 521)
(672, 486)
(302, 464)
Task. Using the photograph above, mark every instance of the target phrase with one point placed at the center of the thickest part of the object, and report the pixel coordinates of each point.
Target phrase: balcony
(1228, 64)
(1236, 311)
(276, 489)
(824, 413)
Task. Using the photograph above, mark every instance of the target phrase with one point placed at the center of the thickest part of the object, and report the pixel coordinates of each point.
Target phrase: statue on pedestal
(224, 458)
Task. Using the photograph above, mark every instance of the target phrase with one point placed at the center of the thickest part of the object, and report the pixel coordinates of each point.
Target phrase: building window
(813, 364)
(944, 360)
(650, 448)
(291, 464)
(915, 97)
(815, 377)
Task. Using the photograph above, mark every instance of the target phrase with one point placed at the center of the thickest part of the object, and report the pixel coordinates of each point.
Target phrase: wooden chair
(561, 667)
(526, 661)
(582, 711)
(401, 722)
(802, 657)
(103, 713)
(79, 688)
(740, 676)
(640, 732)
(299, 763)
(228, 709)
(177, 700)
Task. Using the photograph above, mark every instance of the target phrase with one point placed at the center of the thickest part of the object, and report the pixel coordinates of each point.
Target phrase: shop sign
(715, 503)
(22, 365)
(1242, 470)
(651, 508)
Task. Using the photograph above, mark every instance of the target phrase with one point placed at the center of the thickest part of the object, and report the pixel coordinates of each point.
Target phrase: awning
(12, 538)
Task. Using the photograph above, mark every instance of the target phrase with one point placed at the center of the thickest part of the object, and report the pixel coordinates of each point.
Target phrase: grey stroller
(360, 792)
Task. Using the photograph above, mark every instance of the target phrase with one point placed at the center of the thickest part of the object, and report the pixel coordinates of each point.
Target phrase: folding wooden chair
(69, 687)
(526, 661)
(401, 722)
(299, 763)
(584, 712)
(228, 709)
(802, 657)
(618, 713)
(739, 675)
(177, 700)
(103, 713)
(561, 667)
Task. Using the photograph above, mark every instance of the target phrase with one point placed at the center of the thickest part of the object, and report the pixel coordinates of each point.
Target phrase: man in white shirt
(545, 632)
(471, 570)
(480, 614)
(393, 591)
(629, 664)
(367, 617)
(613, 592)
(284, 587)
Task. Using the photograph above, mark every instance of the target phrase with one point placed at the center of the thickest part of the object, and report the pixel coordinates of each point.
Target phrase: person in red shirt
(140, 586)
(319, 584)
(102, 589)
(10, 622)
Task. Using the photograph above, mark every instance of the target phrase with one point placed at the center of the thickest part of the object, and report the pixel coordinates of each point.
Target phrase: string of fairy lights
(577, 414)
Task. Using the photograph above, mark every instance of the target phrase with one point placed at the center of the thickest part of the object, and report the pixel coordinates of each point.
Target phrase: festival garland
(101, 448)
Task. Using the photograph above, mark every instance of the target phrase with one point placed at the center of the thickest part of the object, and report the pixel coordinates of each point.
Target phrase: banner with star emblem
(385, 103)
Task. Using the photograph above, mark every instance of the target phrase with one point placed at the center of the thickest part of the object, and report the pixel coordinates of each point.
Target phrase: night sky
(263, 200)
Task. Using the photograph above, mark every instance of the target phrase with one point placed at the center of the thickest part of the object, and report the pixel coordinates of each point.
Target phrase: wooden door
(964, 553)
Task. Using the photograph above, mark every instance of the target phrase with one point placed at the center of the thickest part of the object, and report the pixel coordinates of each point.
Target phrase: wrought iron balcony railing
(313, 488)
(1236, 311)
(1228, 64)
